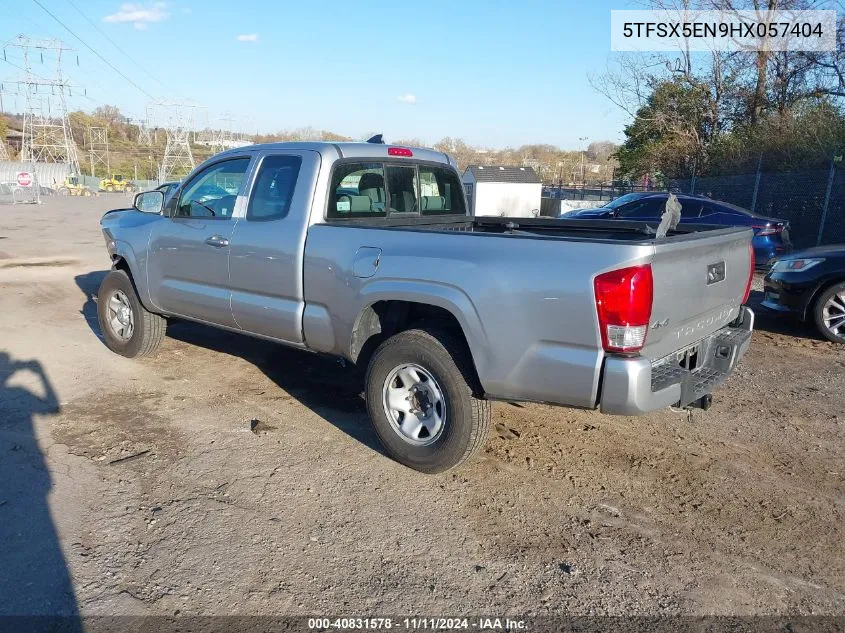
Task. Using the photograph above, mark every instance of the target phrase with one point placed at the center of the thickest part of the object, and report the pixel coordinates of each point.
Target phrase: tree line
(596, 163)
(727, 112)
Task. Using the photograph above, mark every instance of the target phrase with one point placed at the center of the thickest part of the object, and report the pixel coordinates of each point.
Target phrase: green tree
(670, 132)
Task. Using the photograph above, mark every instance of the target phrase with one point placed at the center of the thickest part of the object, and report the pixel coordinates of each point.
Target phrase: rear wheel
(829, 313)
(420, 397)
(128, 328)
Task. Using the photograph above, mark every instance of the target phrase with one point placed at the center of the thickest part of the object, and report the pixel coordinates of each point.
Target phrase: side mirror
(149, 202)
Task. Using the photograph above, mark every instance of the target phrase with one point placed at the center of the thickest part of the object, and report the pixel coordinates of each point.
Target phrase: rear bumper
(634, 386)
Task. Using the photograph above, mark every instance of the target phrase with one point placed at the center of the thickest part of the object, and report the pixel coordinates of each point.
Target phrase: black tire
(467, 420)
(148, 328)
(818, 312)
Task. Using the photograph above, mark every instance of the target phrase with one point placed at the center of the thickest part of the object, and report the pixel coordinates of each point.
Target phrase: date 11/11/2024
(418, 623)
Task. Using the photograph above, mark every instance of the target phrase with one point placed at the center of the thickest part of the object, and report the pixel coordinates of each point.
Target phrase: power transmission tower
(226, 138)
(145, 138)
(4, 153)
(178, 159)
(98, 149)
(47, 136)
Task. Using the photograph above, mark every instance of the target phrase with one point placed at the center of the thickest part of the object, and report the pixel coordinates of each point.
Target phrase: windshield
(628, 197)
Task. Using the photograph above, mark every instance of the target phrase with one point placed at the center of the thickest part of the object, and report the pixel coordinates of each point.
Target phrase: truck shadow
(34, 577)
(89, 284)
(324, 385)
(332, 390)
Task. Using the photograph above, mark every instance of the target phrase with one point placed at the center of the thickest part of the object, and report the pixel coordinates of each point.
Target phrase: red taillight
(399, 151)
(623, 304)
(752, 263)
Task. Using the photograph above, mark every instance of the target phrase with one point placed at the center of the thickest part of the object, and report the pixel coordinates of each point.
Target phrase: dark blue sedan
(771, 236)
(810, 284)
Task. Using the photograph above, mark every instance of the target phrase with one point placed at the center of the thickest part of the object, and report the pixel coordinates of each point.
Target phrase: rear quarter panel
(525, 303)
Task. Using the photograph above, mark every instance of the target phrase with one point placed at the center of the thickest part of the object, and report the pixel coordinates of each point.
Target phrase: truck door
(188, 269)
(268, 244)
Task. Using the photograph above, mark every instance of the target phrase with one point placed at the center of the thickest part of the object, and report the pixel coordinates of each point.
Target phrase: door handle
(218, 241)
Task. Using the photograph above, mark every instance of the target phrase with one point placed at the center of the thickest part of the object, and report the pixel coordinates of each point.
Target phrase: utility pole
(47, 137)
(98, 149)
(583, 155)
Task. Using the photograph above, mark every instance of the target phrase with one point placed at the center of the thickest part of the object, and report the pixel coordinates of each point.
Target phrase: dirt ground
(138, 487)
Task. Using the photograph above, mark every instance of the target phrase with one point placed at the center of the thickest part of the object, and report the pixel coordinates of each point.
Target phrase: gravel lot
(138, 487)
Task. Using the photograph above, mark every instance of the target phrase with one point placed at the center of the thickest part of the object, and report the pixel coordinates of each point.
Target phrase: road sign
(24, 179)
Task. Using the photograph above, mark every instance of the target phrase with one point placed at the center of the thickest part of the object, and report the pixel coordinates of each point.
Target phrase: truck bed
(587, 230)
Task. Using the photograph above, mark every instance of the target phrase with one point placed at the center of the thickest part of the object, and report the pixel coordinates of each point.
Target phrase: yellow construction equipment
(73, 187)
(117, 182)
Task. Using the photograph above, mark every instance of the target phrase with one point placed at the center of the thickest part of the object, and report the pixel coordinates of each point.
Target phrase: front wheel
(829, 313)
(128, 328)
(420, 389)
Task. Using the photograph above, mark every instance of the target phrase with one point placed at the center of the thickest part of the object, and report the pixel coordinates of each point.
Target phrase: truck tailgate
(699, 283)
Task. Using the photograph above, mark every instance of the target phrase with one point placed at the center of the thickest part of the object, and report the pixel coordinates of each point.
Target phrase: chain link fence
(813, 201)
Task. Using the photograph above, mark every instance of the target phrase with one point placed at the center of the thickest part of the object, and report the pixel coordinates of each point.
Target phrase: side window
(357, 191)
(708, 209)
(440, 192)
(273, 189)
(649, 208)
(211, 194)
(402, 189)
(690, 209)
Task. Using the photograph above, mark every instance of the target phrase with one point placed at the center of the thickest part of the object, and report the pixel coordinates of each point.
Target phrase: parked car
(810, 284)
(771, 236)
(444, 311)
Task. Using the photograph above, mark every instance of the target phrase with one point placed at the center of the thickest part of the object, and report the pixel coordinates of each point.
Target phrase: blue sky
(493, 73)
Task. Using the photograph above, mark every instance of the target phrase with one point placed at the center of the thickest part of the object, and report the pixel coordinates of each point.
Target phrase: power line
(85, 44)
(113, 43)
(84, 95)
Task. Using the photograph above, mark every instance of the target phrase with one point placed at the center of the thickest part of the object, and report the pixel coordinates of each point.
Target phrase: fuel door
(366, 262)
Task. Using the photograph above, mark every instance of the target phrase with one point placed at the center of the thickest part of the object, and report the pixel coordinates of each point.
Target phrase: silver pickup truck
(366, 252)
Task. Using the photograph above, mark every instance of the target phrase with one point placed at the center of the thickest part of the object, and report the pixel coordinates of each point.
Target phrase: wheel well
(383, 319)
(118, 263)
(811, 304)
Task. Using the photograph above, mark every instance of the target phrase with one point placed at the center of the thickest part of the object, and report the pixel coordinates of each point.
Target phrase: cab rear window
(440, 192)
(358, 191)
(379, 190)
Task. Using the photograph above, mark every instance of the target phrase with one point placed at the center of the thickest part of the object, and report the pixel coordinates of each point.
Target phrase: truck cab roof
(337, 151)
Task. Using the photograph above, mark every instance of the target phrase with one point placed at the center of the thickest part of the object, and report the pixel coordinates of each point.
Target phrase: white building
(508, 191)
